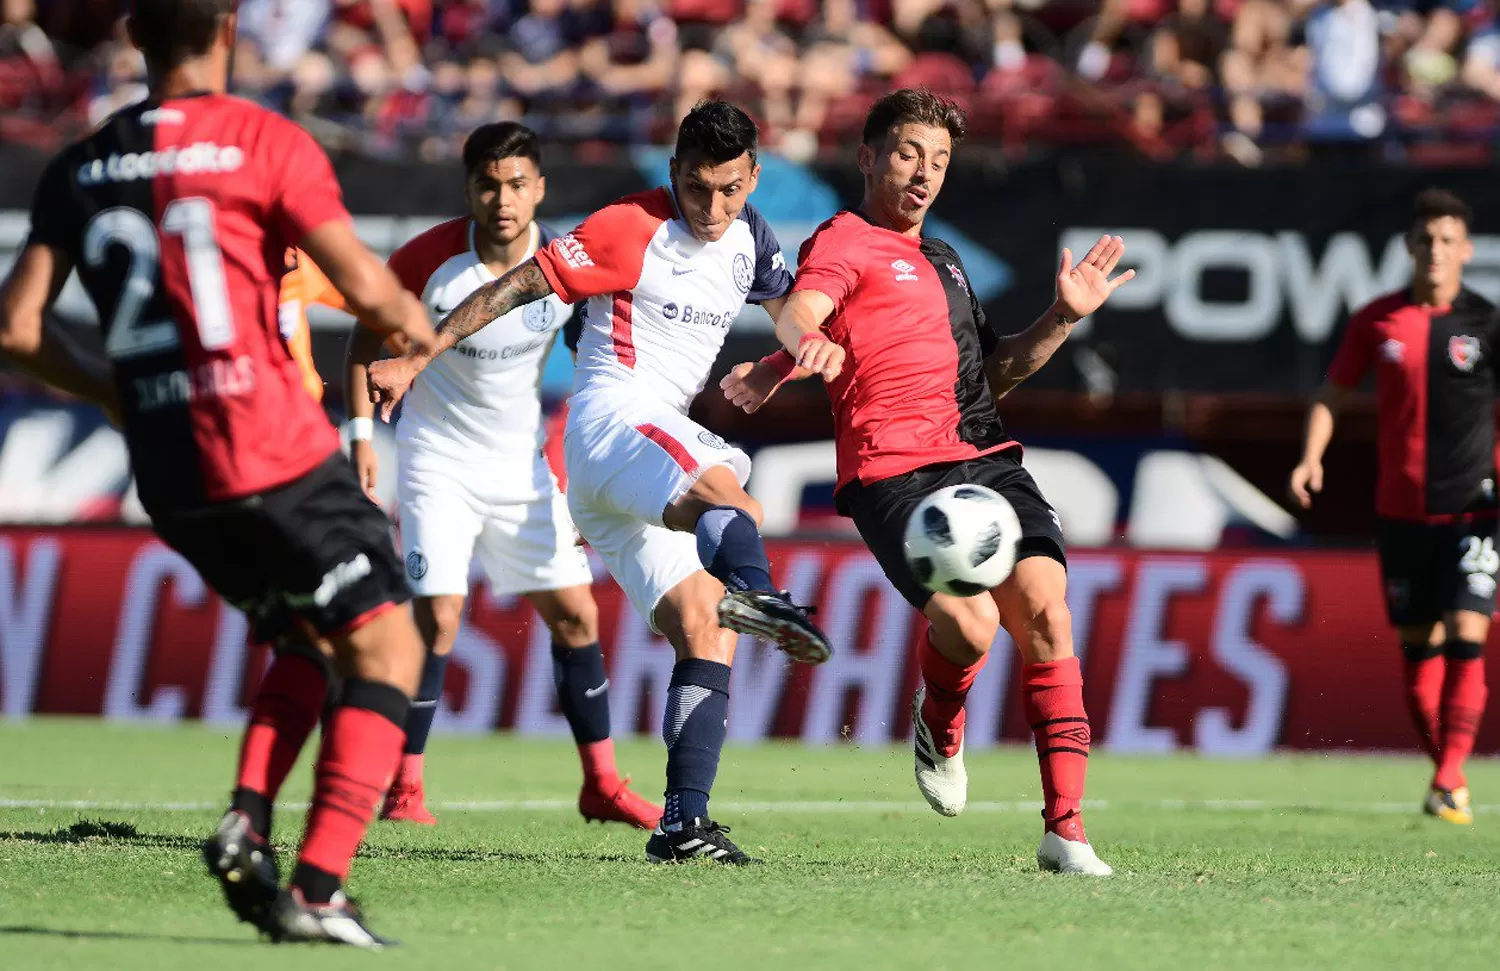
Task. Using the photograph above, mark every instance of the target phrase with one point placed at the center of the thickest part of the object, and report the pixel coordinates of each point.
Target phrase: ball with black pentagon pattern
(962, 540)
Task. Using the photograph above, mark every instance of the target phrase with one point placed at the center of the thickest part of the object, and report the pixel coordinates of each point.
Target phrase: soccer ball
(962, 540)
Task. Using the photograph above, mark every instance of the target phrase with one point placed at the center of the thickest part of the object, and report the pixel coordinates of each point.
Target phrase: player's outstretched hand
(1307, 480)
(388, 381)
(1082, 289)
(366, 466)
(750, 385)
(819, 355)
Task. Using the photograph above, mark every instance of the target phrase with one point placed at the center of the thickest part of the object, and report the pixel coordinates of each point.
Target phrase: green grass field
(1287, 863)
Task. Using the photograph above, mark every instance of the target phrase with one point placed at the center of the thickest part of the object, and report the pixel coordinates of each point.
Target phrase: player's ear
(1466, 252)
(541, 188)
(754, 178)
(672, 170)
(865, 156)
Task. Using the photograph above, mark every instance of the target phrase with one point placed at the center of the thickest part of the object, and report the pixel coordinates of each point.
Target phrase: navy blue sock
(424, 706)
(694, 730)
(731, 549)
(582, 690)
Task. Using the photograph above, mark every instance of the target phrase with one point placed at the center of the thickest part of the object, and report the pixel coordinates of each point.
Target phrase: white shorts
(623, 471)
(523, 546)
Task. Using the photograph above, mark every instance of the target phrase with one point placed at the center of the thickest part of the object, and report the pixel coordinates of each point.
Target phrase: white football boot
(1058, 855)
(944, 781)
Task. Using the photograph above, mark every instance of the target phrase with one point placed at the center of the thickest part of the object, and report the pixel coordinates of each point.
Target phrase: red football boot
(406, 802)
(619, 806)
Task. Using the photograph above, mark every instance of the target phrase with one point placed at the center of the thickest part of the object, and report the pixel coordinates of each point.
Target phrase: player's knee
(575, 624)
(439, 618)
(1052, 631)
(966, 625)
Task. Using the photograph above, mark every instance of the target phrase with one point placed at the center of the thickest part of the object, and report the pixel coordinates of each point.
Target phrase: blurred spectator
(1344, 83)
(1187, 45)
(1482, 62)
(540, 56)
(842, 50)
(1425, 38)
(1261, 66)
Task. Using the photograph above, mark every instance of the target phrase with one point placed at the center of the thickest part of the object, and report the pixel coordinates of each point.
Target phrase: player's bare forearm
(1320, 422)
(1019, 356)
(802, 313)
(522, 285)
(363, 348)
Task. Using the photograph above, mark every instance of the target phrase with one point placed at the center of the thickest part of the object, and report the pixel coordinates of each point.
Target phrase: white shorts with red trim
(624, 469)
(524, 547)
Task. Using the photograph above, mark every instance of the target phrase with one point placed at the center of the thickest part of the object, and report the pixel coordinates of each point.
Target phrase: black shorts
(1429, 570)
(316, 549)
(880, 511)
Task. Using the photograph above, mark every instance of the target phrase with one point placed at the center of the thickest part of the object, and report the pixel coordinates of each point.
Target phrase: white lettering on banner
(155, 568)
(1199, 319)
(1089, 578)
(640, 675)
(45, 479)
(760, 670)
(483, 659)
(536, 710)
(1284, 588)
(25, 616)
(1282, 274)
(1146, 656)
(876, 671)
(226, 672)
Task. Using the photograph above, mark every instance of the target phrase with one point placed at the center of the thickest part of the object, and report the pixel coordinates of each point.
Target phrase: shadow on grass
(78, 935)
(90, 832)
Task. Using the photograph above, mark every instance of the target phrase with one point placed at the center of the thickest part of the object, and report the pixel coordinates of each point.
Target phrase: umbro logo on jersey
(1464, 352)
(904, 270)
(1393, 350)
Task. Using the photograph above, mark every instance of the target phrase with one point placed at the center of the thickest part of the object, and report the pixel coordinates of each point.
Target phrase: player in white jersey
(472, 476)
(659, 497)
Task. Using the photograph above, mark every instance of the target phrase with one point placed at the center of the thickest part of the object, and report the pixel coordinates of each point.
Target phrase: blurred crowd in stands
(1249, 80)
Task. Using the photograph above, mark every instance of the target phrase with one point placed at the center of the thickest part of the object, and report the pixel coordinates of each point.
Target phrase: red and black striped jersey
(178, 216)
(913, 391)
(1435, 374)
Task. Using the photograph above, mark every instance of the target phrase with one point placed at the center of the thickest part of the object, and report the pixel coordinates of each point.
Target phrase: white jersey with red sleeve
(659, 300)
(478, 403)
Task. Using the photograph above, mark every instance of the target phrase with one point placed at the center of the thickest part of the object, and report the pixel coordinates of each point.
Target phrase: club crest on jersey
(958, 277)
(1464, 352)
(744, 273)
(1393, 350)
(711, 440)
(904, 270)
(539, 316)
(416, 565)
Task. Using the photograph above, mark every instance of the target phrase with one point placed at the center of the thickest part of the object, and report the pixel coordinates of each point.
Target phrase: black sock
(256, 806)
(317, 886)
(424, 706)
(582, 690)
(694, 729)
(731, 548)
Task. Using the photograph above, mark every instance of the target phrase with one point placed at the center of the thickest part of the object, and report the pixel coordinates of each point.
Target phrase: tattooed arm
(522, 285)
(389, 380)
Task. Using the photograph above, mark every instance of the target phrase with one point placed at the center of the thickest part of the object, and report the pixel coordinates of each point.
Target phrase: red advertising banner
(1228, 653)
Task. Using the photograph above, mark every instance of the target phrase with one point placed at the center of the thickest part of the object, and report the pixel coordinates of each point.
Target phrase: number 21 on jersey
(193, 220)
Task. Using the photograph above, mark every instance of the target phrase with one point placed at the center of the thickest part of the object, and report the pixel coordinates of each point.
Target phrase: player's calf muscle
(438, 619)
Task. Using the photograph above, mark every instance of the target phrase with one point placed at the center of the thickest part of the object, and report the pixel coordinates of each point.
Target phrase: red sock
(1424, 696)
(599, 769)
(361, 747)
(1464, 695)
(1052, 693)
(947, 684)
(285, 709)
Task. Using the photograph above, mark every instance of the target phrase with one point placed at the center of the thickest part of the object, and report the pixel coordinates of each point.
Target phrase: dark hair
(498, 140)
(717, 131)
(1433, 204)
(169, 32)
(916, 106)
